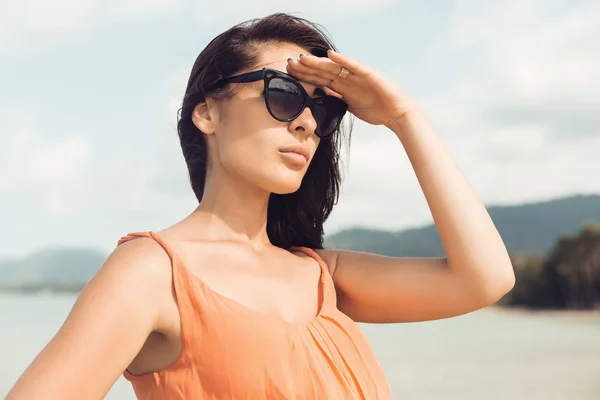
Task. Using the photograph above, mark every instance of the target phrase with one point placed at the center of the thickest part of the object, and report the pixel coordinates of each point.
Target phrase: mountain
(526, 229)
(59, 268)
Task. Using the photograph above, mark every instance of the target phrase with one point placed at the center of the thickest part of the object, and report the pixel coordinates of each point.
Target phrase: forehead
(275, 56)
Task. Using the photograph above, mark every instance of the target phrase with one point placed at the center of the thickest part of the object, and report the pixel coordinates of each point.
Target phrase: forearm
(474, 249)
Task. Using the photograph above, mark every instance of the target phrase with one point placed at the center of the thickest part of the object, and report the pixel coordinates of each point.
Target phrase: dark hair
(294, 219)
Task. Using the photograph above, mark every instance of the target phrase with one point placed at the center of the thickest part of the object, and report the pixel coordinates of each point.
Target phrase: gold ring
(343, 73)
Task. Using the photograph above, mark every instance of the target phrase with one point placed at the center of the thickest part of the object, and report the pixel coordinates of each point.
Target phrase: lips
(297, 149)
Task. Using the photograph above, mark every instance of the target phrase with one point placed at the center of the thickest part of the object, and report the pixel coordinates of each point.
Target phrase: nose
(305, 123)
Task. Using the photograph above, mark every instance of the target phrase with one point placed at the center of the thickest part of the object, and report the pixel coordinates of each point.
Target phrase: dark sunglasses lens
(328, 112)
(284, 98)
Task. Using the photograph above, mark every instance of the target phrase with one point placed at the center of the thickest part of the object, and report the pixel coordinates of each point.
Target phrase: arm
(106, 328)
(478, 270)
(373, 288)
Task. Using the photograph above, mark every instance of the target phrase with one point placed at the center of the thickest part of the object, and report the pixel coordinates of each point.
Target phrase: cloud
(28, 23)
(233, 11)
(521, 122)
(379, 188)
(33, 167)
(511, 125)
(565, 119)
(523, 126)
(56, 189)
(535, 89)
(537, 64)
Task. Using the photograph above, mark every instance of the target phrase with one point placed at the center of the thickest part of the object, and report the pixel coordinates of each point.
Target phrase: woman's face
(246, 143)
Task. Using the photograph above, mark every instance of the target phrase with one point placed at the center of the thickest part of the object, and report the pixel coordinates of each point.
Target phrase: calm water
(489, 354)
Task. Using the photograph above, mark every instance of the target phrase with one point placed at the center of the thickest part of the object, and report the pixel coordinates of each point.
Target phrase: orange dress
(230, 351)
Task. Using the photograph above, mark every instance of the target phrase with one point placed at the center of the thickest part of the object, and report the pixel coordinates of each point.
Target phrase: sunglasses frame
(267, 74)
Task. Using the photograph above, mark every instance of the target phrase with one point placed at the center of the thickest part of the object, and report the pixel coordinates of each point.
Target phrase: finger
(353, 65)
(310, 78)
(331, 81)
(323, 64)
(325, 83)
(298, 66)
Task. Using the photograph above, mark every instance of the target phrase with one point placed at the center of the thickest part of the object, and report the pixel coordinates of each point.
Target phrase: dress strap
(329, 295)
(180, 278)
(157, 238)
(181, 285)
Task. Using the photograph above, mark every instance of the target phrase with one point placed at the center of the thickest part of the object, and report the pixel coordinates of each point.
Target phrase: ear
(204, 116)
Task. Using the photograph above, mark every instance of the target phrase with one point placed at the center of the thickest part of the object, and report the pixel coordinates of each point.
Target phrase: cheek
(248, 148)
(255, 158)
(245, 145)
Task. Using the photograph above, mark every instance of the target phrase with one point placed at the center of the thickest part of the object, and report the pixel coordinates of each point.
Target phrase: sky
(89, 91)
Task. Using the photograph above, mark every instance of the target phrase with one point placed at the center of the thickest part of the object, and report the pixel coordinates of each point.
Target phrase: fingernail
(292, 58)
(302, 54)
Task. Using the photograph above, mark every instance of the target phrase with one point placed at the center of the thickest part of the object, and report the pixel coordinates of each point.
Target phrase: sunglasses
(286, 99)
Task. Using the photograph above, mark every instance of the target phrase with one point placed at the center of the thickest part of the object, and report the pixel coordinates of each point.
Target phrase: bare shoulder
(106, 328)
(143, 256)
(141, 269)
(137, 268)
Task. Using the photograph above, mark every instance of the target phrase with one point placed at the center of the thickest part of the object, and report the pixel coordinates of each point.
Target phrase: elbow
(508, 279)
(487, 288)
(497, 287)
(507, 285)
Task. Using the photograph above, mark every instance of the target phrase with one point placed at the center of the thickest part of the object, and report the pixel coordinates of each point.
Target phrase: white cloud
(525, 126)
(27, 23)
(380, 188)
(34, 167)
(536, 70)
(510, 125)
(134, 8)
(54, 191)
(234, 11)
(538, 63)
(530, 53)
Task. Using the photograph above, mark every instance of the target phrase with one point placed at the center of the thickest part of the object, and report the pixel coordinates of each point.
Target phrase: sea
(493, 353)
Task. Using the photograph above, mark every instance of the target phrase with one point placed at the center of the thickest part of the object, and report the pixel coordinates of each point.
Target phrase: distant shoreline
(33, 289)
(557, 312)
(496, 308)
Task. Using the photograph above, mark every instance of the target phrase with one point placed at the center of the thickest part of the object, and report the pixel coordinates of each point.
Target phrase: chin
(286, 183)
(285, 187)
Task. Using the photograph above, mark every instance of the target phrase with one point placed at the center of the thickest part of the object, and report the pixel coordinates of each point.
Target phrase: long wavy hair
(294, 219)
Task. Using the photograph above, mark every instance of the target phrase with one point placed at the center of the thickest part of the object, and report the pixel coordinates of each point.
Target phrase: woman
(239, 300)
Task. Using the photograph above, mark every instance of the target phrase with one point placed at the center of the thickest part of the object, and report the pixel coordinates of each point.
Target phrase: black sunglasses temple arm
(248, 77)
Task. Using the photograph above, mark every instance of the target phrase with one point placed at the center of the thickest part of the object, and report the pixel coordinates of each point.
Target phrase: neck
(232, 210)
